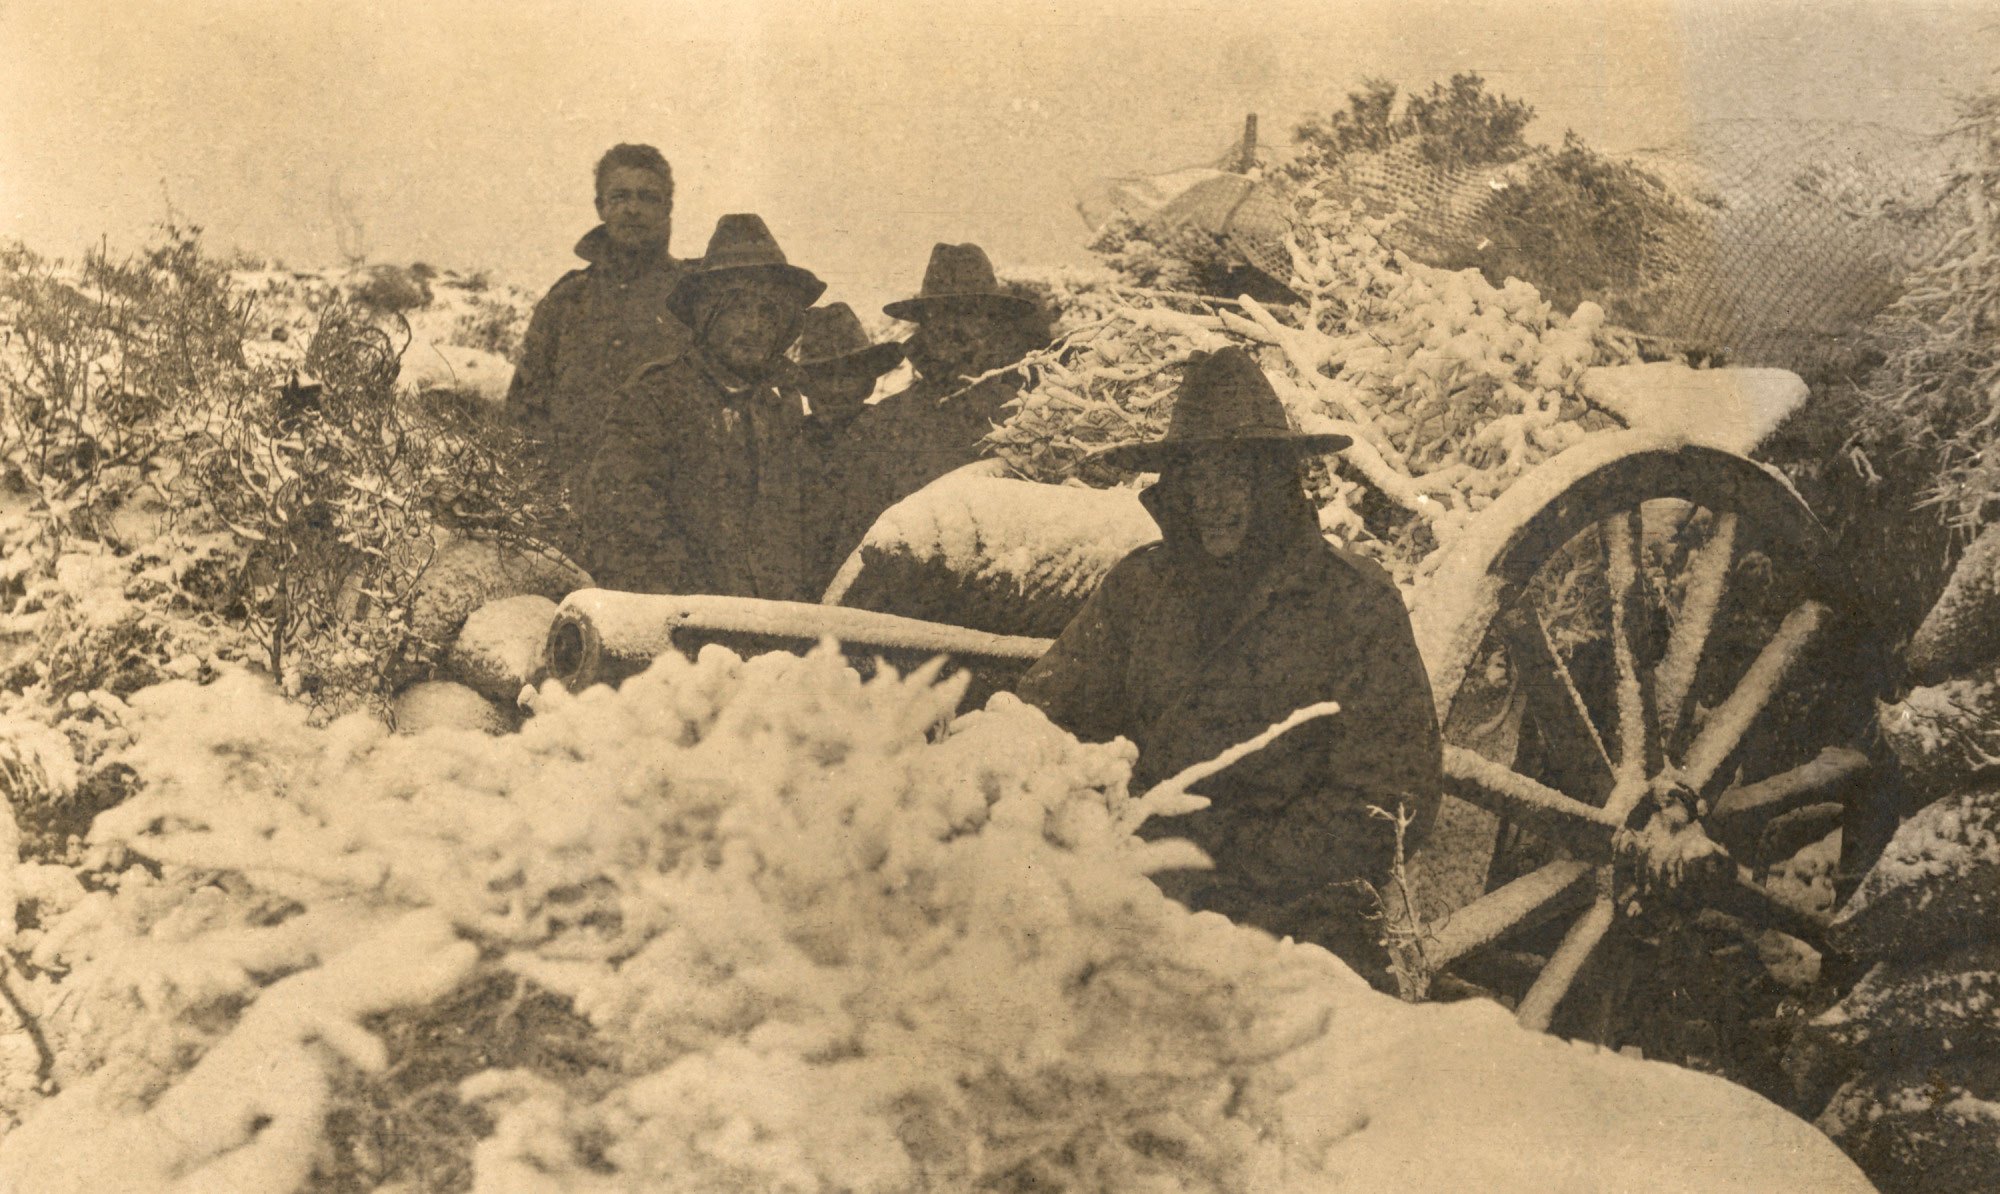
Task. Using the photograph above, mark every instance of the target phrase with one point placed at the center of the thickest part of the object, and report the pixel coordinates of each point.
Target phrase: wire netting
(1778, 241)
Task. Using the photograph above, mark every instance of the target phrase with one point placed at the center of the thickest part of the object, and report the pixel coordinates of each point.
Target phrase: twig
(1188, 777)
(1149, 292)
(46, 1058)
(1397, 486)
(1403, 931)
(1295, 343)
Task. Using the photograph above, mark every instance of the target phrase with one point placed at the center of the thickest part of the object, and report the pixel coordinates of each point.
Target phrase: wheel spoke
(1577, 758)
(1741, 813)
(1584, 829)
(1793, 832)
(1707, 576)
(1582, 940)
(1746, 899)
(1625, 575)
(1726, 727)
(1530, 900)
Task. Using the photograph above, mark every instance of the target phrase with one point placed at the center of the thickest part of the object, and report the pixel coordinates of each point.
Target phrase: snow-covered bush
(777, 896)
(144, 418)
(1933, 401)
(1450, 387)
(742, 926)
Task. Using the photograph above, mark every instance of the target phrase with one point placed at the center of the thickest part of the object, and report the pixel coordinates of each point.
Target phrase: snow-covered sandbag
(442, 704)
(1963, 628)
(1936, 886)
(1730, 409)
(469, 570)
(1906, 1013)
(1928, 1130)
(1944, 736)
(428, 365)
(499, 648)
(988, 553)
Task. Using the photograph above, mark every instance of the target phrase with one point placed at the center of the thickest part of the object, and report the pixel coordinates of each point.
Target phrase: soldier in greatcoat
(1240, 614)
(698, 482)
(600, 323)
(839, 367)
(969, 329)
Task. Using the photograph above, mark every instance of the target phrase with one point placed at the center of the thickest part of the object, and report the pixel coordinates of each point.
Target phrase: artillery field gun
(1649, 669)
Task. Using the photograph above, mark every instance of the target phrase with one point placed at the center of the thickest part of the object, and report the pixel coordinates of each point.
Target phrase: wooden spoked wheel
(1655, 679)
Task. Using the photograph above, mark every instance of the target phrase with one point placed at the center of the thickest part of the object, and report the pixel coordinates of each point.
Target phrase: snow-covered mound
(993, 554)
(808, 943)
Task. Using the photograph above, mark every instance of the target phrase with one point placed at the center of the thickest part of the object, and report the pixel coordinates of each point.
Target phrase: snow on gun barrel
(600, 636)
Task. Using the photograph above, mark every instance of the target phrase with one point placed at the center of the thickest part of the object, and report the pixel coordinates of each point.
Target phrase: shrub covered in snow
(1450, 387)
(175, 475)
(743, 925)
(757, 881)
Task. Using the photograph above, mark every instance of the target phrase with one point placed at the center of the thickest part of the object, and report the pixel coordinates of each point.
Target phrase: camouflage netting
(1773, 243)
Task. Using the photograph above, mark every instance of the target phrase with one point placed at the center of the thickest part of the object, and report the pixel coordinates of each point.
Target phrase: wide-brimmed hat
(833, 341)
(959, 275)
(741, 246)
(1225, 401)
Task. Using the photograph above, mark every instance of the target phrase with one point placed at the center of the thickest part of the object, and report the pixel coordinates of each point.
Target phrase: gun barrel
(602, 637)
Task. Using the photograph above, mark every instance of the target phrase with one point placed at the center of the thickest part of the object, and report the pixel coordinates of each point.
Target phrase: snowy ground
(462, 337)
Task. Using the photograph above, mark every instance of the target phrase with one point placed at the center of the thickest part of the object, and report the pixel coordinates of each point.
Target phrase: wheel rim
(1651, 678)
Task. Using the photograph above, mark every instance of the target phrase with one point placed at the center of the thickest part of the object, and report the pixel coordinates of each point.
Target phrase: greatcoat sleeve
(535, 377)
(1384, 746)
(638, 542)
(1079, 683)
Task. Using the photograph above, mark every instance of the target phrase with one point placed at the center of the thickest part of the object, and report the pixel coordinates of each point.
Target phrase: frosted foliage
(780, 894)
(1452, 388)
(828, 937)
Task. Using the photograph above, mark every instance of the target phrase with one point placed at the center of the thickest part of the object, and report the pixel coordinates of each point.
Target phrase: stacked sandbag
(1908, 1063)
(444, 705)
(487, 602)
(1963, 628)
(1912, 1054)
(499, 649)
(1945, 735)
(467, 569)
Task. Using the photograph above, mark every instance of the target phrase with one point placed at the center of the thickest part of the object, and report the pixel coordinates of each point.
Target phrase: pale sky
(461, 132)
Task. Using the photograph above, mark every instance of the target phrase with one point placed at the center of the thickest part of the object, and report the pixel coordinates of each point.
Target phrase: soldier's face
(746, 326)
(634, 206)
(1220, 483)
(954, 341)
(836, 390)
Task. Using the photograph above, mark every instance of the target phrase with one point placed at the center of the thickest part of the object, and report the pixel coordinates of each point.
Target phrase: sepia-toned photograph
(1004, 597)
